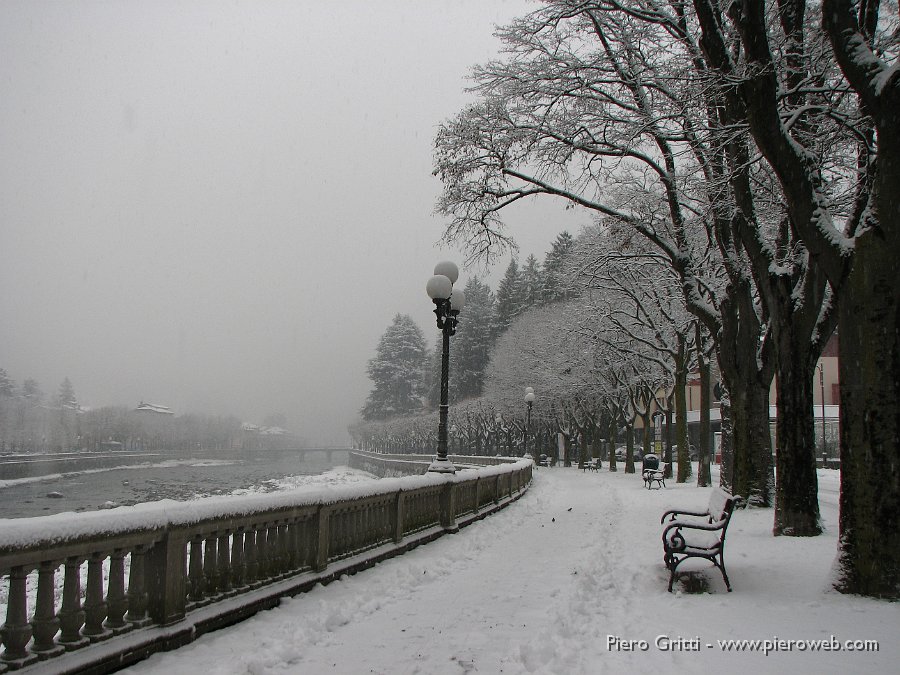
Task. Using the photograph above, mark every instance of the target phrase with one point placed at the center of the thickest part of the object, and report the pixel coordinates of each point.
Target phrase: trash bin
(650, 461)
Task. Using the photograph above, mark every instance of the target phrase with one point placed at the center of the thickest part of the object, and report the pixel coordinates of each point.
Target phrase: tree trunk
(612, 443)
(704, 446)
(670, 433)
(583, 452)
(752, 475)
(629, 445)
(684, 452)
(869, 325)
(796, 487)
(595, 444)
(747, 367)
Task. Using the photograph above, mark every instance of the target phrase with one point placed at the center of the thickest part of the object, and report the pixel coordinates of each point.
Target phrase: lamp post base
(441, 466)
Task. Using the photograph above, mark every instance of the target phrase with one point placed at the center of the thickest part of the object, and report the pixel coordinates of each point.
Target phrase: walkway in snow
(542, 585)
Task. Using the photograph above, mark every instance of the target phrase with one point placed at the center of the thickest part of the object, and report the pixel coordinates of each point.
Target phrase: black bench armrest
(679, 512)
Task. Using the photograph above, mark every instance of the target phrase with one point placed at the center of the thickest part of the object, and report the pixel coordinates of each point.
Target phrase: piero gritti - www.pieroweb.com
(670, 643)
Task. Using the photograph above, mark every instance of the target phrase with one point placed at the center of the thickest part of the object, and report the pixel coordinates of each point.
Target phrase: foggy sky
(220, 206)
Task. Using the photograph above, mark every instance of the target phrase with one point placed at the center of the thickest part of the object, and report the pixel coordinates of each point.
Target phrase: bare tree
(600, 106)
(760, 69)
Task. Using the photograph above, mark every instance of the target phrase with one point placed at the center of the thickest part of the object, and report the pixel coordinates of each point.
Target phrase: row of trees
(604, 356)
(752, 150)
(403, 368)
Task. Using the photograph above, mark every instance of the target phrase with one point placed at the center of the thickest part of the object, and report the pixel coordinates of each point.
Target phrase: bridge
(160, 576)
(331, 454)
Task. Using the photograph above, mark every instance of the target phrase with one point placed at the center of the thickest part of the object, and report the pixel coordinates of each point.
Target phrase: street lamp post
(529, 400)
(448, 303)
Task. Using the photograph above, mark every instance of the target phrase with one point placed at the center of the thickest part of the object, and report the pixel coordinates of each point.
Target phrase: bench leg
(721, 566)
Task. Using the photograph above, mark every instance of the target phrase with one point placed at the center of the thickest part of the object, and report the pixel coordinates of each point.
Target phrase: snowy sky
(219, 206)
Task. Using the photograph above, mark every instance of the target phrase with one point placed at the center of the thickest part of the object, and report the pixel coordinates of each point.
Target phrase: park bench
(694, 534)
(591, 465)
(656, 475)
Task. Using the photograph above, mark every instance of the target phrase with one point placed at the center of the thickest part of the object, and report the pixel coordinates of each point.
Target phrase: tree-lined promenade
(741, 166)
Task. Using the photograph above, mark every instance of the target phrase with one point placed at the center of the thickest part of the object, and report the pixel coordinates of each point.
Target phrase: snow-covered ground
(558, 583)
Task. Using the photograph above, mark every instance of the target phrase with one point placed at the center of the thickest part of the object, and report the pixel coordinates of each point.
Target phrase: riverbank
(90, 489)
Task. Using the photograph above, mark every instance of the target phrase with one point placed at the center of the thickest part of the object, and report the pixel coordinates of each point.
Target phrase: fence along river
(160, 575)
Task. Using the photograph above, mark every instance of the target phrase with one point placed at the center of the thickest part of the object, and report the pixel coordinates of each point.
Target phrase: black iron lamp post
(448, 303)
(529, 400)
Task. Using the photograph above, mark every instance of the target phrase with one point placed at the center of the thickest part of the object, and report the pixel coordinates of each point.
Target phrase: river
(175, 479)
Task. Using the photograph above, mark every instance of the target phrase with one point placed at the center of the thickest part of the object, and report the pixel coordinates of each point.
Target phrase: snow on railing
(157, 564)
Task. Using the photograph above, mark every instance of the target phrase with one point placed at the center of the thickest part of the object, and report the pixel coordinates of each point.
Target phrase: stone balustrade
(114, 586)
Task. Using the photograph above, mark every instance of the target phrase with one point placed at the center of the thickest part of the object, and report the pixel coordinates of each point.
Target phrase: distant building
(255, 437)
(153, 408)
(158, 427)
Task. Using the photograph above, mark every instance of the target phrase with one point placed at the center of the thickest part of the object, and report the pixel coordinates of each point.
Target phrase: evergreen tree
(31, 391)
(532, 283)
(555, 287)
(509, 296)
(397, 371)
(67, 397)
(7, 386)
(475, 335)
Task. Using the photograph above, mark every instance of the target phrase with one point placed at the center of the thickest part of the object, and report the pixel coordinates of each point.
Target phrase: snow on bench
(695, 534)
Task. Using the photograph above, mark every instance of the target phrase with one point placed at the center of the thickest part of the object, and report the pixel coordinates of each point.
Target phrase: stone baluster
(399, 516)
(16, 632)
(352, 526)
(71, 614)
(117, 602)
(238, 568)
(45, 623)
(448, 507)
(477, 495)
(224, 563)
(210, 569)
(251, 567)
(336, 538)
(320, 537)
(195, 569)
(359, 529)
(137, 588)
(344, 531)
(273, 551)
(349, 527)
(284, 559)
(262, 554)
(94, 605)
(292, 529)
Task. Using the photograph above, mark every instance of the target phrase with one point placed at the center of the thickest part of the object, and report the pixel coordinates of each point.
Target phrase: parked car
(622, 450)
